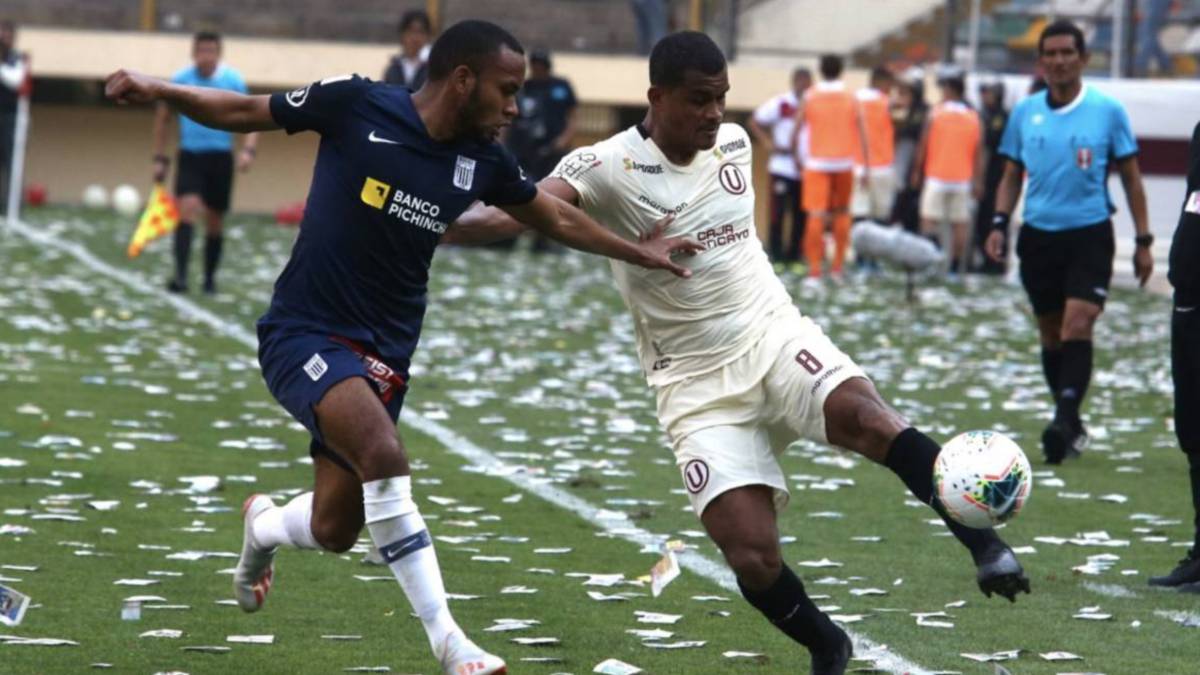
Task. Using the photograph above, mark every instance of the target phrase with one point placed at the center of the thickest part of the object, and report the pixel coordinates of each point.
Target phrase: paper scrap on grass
(169, 633)
(251, 639)
(1060, 656)
(664, 572)
(615, 667)
(536, 641)
(657, 618)
(13, 604)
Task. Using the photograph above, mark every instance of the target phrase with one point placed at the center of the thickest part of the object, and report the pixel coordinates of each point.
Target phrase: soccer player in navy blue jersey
(394, 170)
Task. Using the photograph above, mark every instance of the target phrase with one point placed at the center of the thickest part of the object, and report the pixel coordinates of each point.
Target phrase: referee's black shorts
(1185, 371)
(1076, 263)
(208, 174)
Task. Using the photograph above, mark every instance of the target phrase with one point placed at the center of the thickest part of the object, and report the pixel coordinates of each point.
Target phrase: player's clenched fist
(125, 86)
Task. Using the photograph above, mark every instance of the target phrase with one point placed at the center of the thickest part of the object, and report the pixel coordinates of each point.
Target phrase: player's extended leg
(741, 522)
(357, 426)
(191, 208)
(856, 418)
(329, 518)
(1064, 435)
(214, 240)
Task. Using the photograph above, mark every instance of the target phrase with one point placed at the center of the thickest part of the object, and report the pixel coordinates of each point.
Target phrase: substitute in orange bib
(950, 162)
(830, 130)
(877, 178)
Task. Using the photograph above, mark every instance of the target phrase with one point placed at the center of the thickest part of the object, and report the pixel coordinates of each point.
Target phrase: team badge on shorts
(732, 179)
(695, 475)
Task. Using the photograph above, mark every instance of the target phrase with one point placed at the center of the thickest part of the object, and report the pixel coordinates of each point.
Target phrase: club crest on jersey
(464, 173)
(732, 179)
(1083, 158)
(297, 97)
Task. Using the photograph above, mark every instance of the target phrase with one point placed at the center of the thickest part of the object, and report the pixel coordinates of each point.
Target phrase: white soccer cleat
(256, 568)
(459, 656)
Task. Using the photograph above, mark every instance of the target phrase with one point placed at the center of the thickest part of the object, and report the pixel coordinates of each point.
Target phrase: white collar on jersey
(1083, 90)
(824, 85)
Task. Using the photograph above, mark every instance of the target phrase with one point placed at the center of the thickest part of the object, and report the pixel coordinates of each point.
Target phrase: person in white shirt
(772, 126)
(737, 370)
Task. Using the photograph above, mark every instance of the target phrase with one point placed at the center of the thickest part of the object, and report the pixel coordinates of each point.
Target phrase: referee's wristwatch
(1144, 240)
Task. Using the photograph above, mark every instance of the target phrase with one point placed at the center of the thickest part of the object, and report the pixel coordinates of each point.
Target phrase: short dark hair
(468, 43)
(801, 71)
(955, 84)
(680, 52)
(415, 16)
(881, 74)
(206, 36)
(1063, 27)
(831, 66)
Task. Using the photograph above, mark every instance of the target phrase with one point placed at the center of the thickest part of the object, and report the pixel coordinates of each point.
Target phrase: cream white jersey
(685, 327)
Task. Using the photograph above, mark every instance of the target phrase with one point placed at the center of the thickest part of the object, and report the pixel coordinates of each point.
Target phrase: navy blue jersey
(382, 194)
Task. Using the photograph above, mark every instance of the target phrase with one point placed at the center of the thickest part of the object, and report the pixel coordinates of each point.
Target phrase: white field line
(695, 562)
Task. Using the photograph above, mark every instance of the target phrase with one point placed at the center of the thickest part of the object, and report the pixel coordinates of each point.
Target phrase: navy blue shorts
(300, 367)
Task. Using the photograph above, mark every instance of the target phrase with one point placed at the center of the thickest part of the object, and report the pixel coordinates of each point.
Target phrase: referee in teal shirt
(205, 163)
(1065, 139)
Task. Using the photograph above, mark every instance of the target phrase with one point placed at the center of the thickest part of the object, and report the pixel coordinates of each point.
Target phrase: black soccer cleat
(1000, 573)
(835, 660)
(1186, 575)
(210, 288)
(1056, 440)
(176, 286)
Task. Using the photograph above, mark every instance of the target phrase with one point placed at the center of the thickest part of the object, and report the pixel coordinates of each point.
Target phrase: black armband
(1144, 240)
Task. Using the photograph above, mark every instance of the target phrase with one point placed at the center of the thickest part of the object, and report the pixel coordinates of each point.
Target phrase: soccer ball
(982, 478)
(126, 200)
(95, 196)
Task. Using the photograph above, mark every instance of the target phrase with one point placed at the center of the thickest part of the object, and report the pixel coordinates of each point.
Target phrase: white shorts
(875, 202)
(942, 204)
(728, 426)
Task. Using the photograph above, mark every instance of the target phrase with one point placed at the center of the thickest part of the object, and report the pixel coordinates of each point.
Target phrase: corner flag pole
(16, 177)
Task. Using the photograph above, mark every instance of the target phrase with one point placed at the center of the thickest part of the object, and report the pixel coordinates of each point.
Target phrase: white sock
(287, 525)
(398, 531)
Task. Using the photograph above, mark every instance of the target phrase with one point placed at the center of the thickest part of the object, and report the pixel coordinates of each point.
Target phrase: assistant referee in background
(204, 174)
(1065, 139)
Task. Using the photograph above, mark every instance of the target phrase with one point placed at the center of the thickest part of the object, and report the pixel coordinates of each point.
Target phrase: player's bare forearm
(214, 108)
(162, 119)
(565, 223)
(1135, 194)
(481, 225)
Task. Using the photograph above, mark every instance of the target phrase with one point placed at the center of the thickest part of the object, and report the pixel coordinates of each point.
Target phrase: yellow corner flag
(160, 217)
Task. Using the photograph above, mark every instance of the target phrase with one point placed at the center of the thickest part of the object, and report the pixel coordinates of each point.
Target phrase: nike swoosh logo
(380, 139)
(1184, 310)
(399, 549)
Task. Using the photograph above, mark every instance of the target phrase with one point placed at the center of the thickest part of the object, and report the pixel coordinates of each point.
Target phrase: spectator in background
(408, 68)
(832, 127)
(995, 119)
(204, 175)
(651, 17)
(949, 161)
(772, 126)
(909, 111)
(1154, 16)
(12, 76)
(542, 133)
(878, 181)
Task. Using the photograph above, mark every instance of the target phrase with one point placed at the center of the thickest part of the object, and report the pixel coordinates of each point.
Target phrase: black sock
(1194, 474)
(911, 457)
(1051, 366)
(786, 605)
(212, 257)
(1074, 376)
(183, 251)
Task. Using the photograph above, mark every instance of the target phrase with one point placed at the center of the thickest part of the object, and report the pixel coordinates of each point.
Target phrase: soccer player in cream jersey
(730, 358)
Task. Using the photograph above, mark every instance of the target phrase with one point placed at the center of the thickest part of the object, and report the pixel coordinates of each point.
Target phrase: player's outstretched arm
(561, 221)
(481, 225)
(214, 108)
